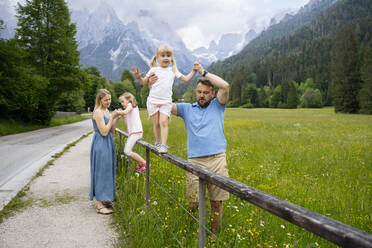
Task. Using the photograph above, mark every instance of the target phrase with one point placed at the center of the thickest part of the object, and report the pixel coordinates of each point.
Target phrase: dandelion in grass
(262, 223)
(154, 203)
(142, 212)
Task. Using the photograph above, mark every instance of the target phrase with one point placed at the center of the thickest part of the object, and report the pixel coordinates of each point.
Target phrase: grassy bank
(12, 127)
(311, 157)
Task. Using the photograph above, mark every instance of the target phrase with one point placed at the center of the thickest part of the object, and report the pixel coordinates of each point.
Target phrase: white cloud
(192, 36)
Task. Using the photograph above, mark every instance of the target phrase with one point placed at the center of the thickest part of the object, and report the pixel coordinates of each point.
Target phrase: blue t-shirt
(205, 128)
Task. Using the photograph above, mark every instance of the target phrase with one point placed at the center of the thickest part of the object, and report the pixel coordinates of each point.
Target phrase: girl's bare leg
(157, 132)
(138, 158)
(164, 128)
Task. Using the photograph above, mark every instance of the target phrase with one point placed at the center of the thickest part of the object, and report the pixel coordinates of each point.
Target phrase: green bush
(247, 105)
(311, 99)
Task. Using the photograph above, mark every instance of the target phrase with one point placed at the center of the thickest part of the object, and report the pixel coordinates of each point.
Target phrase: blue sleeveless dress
(102, 166)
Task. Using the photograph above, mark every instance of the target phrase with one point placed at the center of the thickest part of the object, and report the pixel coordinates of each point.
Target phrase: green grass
(12, 127)
(311, 157)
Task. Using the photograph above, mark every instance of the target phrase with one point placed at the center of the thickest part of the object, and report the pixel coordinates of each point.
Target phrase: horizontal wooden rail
(325, 227)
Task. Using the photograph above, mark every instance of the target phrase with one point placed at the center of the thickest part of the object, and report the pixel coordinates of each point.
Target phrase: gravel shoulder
(61, 214)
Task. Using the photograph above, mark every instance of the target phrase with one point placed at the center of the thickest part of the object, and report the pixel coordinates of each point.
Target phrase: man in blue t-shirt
(206, 143)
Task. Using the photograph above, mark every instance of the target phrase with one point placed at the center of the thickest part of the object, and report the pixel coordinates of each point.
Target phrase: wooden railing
(325, 227)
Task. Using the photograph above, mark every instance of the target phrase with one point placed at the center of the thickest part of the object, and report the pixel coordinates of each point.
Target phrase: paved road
(22, 155)
(68, 223)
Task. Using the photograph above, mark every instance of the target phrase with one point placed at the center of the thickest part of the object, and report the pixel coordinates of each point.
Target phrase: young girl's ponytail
(153, 62)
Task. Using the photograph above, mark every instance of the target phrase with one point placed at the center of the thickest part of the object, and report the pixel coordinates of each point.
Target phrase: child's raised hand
(136, 73)
(197, 66)
(115, 114)
(120, 112)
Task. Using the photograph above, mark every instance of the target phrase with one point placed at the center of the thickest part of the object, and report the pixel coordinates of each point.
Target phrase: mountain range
(111, 45)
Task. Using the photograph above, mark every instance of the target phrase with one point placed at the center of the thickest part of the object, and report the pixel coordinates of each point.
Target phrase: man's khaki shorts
(215, 163)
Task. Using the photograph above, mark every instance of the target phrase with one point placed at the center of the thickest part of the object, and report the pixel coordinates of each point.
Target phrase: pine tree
(292, 98)
(252, 95)
(276, 97)
(365, 94)
(127, 75)
(45, 32)
(345, 72)
(263, 98)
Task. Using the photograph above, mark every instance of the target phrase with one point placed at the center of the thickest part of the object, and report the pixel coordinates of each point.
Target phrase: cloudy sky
(200, 21)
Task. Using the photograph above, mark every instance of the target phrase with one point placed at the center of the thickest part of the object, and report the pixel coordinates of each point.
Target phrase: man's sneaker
(163, 148)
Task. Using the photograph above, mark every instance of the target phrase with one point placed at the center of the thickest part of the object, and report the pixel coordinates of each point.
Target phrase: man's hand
(198, 67)
(152, 79)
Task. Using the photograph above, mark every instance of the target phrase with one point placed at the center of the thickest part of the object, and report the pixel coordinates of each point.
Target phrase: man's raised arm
(222, 85)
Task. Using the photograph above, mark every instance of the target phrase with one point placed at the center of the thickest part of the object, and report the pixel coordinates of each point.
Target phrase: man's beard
(205, 103)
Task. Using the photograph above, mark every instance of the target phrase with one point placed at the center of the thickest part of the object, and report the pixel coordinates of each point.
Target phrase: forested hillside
(283, 70)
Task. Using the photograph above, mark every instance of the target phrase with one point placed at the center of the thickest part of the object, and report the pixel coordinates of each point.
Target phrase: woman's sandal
(103, 210)
(108, 204)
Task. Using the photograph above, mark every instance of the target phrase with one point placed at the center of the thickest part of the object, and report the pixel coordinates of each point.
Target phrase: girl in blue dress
(103, 154)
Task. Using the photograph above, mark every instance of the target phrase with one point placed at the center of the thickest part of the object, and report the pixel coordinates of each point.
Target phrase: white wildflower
(282, 226)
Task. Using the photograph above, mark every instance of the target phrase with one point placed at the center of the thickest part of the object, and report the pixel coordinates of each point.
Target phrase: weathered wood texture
(325, 227)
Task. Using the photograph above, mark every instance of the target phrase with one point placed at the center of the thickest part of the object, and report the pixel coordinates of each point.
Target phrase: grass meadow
(314, 158)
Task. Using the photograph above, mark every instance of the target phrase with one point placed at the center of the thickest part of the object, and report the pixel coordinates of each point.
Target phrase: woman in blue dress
(103, 154)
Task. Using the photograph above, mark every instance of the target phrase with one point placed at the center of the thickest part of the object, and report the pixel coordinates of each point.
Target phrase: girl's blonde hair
(100, 94)
(164, 49)
(129, 97)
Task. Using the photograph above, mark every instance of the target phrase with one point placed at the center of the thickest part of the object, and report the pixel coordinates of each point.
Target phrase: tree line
(40, 71)
(326, 62)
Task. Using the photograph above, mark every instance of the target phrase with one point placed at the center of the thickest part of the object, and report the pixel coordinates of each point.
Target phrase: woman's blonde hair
(101, 94)
(164, 49)
(129, 97)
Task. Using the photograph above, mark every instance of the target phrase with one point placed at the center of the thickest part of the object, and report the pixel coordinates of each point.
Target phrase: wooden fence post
(202, 213)
(120, 140)
(129, 165)
(148, 176)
